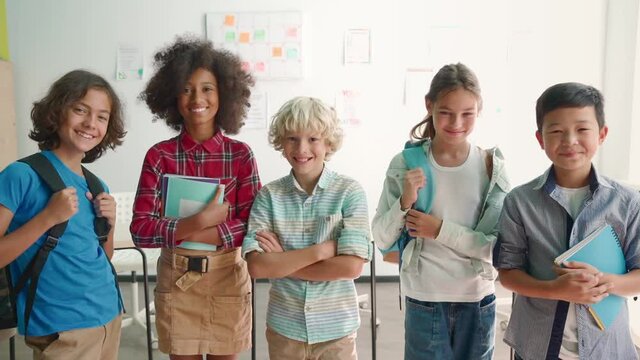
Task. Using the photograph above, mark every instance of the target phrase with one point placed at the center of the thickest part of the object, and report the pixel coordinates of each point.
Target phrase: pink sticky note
(292, 32)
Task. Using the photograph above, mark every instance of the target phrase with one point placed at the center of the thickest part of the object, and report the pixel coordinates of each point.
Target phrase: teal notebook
(186, 195)
(602, 250)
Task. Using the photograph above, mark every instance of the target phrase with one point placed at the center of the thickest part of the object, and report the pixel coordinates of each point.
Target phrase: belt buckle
(198, 264)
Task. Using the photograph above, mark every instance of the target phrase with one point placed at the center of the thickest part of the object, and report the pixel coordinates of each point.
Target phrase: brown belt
(195, 266)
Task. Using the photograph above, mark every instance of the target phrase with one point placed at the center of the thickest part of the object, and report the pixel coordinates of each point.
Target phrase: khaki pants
(283, 348)
(98, 343)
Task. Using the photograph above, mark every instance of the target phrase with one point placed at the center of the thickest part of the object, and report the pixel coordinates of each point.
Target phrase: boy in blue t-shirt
(543, 218)
(76, 312)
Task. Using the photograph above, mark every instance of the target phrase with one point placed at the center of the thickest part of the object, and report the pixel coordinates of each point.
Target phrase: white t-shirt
(445, 275)
(572, 200)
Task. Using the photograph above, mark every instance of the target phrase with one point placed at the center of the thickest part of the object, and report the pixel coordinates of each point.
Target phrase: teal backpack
(415, 157)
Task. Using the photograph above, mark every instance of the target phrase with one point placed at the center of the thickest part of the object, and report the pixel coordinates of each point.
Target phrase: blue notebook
(602, 250)
(186, 195)
(167, 177)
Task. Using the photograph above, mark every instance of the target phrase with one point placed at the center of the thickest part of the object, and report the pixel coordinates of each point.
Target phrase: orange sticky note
(244, 37)
(276, 51)
(229, 20)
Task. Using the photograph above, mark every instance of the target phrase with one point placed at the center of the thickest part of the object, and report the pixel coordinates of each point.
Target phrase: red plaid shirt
(220, 157)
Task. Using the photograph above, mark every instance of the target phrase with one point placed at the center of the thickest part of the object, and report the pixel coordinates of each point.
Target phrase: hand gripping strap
(416, 158)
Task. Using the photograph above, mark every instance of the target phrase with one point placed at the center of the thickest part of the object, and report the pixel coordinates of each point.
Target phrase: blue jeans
(444, 330)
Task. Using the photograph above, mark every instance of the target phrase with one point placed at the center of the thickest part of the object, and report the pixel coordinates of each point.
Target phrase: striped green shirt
(312, 311)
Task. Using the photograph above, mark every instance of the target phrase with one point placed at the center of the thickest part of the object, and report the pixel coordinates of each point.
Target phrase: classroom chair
(130, 259)
(374, 318)
(367, 303)
(9, 334)
(502, 316)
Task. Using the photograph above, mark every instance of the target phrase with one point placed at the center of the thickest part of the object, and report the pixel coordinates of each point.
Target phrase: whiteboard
(515, 55)
(268, 43)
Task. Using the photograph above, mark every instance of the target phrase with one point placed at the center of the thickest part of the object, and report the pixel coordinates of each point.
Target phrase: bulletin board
(268, 43)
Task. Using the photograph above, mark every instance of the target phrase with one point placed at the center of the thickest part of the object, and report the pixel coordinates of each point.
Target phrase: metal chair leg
(253, 319)
(374, 321)
(12, 348)
(145, 276)
(512, 354)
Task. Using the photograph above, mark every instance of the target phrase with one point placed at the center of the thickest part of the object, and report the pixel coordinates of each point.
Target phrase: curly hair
(174, 65)
(48, 114)
(306, 113)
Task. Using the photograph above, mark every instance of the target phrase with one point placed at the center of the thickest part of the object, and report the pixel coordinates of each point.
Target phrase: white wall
(621, 85)
(517, 48)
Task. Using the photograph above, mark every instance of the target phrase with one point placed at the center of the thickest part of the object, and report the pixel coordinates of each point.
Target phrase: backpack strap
(45, 170)
(488, 162)
(415, 157)
(100, 224)
(8, 317)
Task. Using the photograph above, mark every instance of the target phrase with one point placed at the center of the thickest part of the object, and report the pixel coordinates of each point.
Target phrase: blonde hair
(306, 113)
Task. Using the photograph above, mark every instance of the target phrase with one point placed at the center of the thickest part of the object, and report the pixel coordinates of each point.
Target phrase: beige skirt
(203, 302)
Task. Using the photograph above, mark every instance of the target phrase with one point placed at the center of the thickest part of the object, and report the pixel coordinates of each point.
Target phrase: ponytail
(424, 129)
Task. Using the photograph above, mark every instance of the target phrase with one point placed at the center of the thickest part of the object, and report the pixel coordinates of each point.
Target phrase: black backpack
(8, 292)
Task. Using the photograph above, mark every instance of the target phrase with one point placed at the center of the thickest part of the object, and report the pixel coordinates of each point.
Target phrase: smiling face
(198, 103)
(305, 151)
(454, 116)
(570, 137)
(85, 125)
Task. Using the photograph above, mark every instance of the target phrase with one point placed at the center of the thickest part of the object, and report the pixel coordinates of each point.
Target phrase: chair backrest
(124, 213)
(124, 205)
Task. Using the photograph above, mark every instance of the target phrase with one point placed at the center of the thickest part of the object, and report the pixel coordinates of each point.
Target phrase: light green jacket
(475, 243)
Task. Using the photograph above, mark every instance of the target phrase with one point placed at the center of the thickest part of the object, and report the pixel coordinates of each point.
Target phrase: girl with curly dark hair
(203, 296)
(77, 303)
